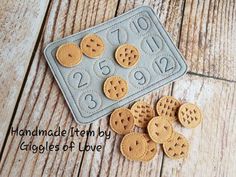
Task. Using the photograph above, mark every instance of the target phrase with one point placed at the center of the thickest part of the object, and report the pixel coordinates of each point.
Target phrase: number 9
(139, 76)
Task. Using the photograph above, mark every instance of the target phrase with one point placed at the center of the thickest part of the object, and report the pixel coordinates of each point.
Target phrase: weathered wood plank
(110, 162)
(212, 143)
(17, 40)
(208, 37)
(42, 104)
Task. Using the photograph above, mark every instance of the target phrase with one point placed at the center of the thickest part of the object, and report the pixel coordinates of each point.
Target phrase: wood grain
(204, 31)
(110, 162)
(42, 104)
(212, 144)
(17, 40)
(208, 37)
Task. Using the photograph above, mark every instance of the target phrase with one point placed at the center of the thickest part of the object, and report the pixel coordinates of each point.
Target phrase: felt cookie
(127, 55)
(69, 55)
(168, 106)
(115, 88)
(176, 147)
(151, 149)
(133, 146)
(92, 46)
(122, 121)
(189, 115)
(142, 112)
(159, 129)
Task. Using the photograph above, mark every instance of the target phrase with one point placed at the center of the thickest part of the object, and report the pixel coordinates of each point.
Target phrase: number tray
(82, 85)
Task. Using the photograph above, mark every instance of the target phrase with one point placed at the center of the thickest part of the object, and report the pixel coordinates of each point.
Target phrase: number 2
(80, 77)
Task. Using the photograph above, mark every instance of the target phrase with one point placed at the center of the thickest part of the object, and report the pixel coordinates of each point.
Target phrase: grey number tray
(82, 86)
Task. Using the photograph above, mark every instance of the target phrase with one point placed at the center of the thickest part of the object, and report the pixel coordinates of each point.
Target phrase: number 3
(90, 98)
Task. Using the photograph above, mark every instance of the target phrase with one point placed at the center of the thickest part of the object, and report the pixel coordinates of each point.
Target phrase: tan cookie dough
(115, 88)
(176, 147)
(168, 106)
(143, 113)
(122, 121)
(159, 129)
(152, 149)
(189, 115)
(127, 55)
(92, 46)
(68, 55)
(133, 146)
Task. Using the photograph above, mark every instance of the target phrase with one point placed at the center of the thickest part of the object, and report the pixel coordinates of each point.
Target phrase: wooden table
(203, 30)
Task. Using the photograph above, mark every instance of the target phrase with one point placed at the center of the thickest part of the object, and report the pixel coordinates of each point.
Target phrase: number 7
(118, 34)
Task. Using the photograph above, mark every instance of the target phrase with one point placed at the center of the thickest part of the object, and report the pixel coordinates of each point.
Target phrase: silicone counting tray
(82, 86)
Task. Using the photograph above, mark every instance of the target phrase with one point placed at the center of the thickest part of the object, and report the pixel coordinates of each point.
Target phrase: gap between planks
(212, 77)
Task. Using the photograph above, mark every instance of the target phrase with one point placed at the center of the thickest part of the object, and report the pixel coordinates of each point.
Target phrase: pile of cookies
(159, 129)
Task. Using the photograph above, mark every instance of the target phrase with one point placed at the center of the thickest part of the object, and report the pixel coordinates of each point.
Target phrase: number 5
(105, 69)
